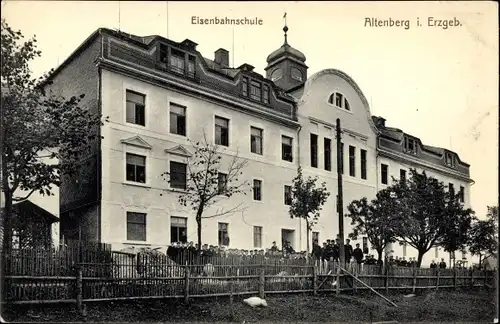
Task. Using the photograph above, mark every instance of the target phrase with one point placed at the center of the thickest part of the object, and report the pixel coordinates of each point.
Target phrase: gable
(136, 141)
(179, 150)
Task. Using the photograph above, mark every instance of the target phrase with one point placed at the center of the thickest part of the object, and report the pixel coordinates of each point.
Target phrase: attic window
(450, 159)
(338, 100)
(410, 145)
(177, 61)
(296, 74)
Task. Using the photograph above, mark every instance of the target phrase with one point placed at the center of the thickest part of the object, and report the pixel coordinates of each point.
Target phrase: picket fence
(95, 273)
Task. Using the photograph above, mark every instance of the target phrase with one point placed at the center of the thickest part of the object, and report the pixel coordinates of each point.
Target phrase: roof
(30, 207)
(398, 135)
(286, 50)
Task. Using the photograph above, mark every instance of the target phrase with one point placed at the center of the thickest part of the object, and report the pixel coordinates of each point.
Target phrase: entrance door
(288, 235)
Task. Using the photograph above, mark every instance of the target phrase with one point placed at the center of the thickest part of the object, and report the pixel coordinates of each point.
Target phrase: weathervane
(285, 29)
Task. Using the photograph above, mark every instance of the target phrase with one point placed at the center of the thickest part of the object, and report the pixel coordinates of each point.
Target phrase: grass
(445, 306)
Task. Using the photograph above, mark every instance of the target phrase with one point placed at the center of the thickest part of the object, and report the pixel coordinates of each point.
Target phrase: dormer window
(410, 145)
(450, 159)
(276, 75)
(244, 86)
(296, 74)
(191, 64)
(338, 100)
(177, 61)
(265, 96)
(255, 90)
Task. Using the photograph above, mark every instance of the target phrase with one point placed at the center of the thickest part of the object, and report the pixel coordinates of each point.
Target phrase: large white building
(160, 95)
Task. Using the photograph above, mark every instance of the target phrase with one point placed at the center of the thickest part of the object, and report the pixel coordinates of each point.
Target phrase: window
(288, 195)
(327, 143)
(266, 94)
(223, 234)
(136, 108)
(365, 245)
(461, 196)
(451, 188)
(342, 157)
(191, 64)
(296, 74)
(450, 159)
(384, 173)
(177, 61)
(136, 168)
(402, 175)
(178, 229)
(410, 145)
(352, 161)
(404, 249)
(315, 237)
(314, 150)
(257, 190)
(245, 86)
(464, 255)
(221, 131)
(338, 100)
(346, 104)
(136, 226)
(221, 183)
(257, 236)
(276, 75)
(363, 164)
(256, 140)
(255, 90)
(286, 148)
(178, 175)
(177, 119)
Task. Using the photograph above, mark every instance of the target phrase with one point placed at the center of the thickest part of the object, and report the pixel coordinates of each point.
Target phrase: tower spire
(285, 29)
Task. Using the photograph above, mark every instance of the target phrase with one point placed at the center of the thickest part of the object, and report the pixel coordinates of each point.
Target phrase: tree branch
(230, 211)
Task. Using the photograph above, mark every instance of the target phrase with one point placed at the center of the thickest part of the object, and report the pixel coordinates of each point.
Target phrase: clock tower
(286, 67)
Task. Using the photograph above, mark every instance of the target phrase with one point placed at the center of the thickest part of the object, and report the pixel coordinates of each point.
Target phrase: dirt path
(437, 306)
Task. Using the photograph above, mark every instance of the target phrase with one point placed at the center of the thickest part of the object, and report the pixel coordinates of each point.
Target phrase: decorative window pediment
(179, 150)
(136, 141)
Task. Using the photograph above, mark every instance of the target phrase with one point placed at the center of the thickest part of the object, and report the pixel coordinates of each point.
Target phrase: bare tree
(206, 184)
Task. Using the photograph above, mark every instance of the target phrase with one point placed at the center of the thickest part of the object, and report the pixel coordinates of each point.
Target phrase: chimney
(380, 122)
(222, 58)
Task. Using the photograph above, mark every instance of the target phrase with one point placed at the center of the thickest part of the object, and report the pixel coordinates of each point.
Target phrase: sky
(438, 84)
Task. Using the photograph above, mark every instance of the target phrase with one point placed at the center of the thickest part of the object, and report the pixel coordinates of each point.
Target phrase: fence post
(386, 279)
(315, 281)
(337, 286)
(437, 278)
(79, 290)
(455, 278)
(472, 277)
(414, 278)
(186, 284)
(262, 283)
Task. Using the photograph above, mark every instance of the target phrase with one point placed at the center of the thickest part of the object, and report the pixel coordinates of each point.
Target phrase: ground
(464, 306)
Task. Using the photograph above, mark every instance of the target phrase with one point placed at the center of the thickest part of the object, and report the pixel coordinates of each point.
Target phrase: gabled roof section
(397, 135)
(27, 207)
(136, 141)
(179, 150)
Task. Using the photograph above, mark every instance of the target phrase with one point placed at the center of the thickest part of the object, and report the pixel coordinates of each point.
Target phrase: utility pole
(340, 162)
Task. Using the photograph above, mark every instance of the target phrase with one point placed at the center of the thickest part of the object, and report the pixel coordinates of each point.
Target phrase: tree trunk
(419, 258)
(7, 230)
(307, 235)
(480, 265)
(379, 253)
(198, 230)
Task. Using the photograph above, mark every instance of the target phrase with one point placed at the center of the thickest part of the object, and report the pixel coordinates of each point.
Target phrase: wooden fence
(190, 281)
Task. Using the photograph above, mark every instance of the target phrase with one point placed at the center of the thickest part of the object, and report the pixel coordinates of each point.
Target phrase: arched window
(337, 99)
(296, 74)
(276, 75)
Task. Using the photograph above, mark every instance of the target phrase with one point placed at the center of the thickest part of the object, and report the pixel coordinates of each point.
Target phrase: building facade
(160, 96)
